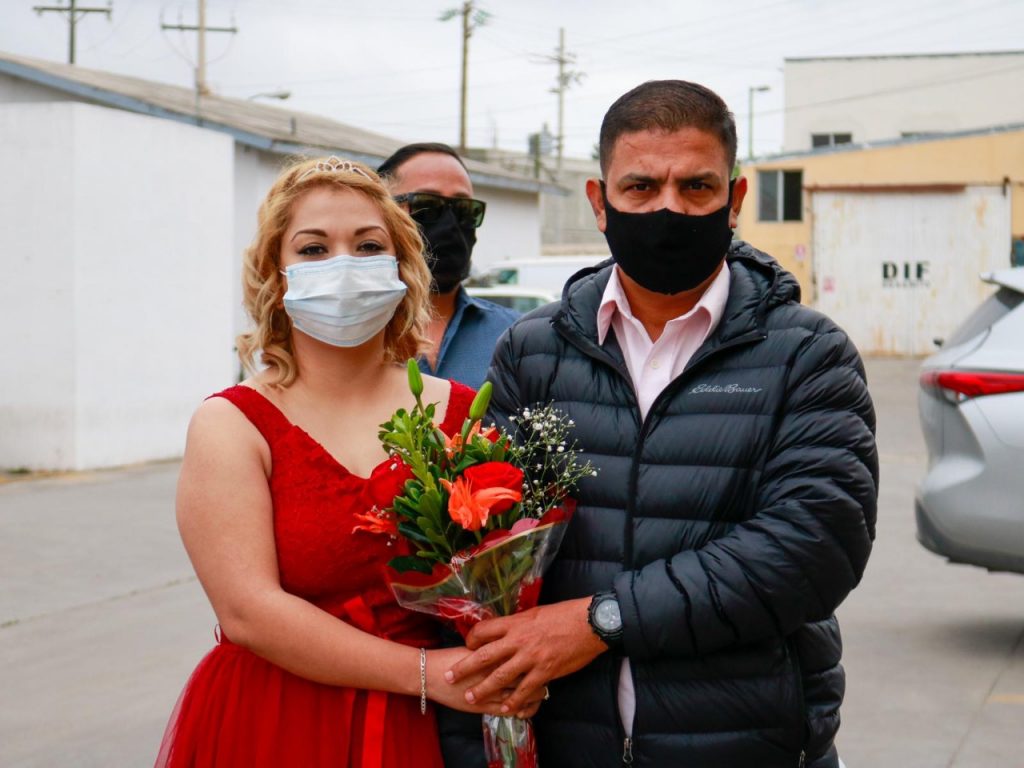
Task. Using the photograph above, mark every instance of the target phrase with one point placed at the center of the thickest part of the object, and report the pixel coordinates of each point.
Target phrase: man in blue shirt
(431, 181)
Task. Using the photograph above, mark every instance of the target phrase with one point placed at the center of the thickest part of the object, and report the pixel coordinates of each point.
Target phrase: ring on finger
(547, 693)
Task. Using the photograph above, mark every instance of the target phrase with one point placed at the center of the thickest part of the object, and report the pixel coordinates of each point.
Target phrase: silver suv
(970, 505)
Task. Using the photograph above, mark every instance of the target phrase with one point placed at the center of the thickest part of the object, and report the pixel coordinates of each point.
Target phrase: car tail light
(957, 386)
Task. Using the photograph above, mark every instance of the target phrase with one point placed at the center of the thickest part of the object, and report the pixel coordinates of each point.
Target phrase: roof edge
(110, 98)
(869, 56)
(884, 143)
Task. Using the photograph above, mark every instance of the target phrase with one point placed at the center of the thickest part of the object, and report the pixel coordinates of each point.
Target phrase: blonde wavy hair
(263, 286)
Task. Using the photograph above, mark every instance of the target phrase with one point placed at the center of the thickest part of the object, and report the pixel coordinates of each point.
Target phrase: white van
(522, 300)
(546, 273)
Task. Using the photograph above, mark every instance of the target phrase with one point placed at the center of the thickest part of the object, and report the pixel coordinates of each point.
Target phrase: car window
(504, 301)
(522, 304)
(989, 312)
(526, 304)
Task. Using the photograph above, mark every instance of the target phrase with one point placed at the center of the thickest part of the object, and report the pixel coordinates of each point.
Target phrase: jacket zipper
(798, 679)
(597, 353)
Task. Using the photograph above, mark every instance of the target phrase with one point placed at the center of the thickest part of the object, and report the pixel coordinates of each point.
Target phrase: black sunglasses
(427, 208)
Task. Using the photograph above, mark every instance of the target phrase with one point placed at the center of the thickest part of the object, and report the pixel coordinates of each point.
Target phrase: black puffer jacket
(731, 523)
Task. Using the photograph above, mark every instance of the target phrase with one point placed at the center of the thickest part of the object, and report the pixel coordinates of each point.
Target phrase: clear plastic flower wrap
(499, 577)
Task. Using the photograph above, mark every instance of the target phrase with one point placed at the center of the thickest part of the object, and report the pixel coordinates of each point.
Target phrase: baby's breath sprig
(550, 462)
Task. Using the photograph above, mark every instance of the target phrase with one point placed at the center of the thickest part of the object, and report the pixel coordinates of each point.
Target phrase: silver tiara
(334, 165)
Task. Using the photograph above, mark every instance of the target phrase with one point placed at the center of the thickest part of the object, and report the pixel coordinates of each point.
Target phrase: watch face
(607, 616)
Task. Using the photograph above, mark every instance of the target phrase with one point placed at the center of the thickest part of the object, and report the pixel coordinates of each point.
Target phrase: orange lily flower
(470, 507)
(454, 444)
(377, 521)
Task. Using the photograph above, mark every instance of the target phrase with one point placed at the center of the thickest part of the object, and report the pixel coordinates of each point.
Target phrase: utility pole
(202, 89)
(467, 30)
(750, 116)
(566, 78)
(471, 19)
(73, 12)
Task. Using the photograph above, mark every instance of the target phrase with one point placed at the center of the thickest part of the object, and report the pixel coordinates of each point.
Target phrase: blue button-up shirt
(469, 340)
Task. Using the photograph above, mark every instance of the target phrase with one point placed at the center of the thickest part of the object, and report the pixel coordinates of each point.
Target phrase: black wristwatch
(605, 619)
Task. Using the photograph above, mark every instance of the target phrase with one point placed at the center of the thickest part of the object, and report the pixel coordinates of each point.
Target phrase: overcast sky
(392, 66)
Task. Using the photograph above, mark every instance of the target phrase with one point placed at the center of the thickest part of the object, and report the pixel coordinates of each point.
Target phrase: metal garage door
(898, 267)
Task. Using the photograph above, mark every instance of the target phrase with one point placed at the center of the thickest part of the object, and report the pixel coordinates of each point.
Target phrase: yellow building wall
(984, 159)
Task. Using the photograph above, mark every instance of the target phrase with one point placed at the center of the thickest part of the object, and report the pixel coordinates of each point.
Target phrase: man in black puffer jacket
(688, 618)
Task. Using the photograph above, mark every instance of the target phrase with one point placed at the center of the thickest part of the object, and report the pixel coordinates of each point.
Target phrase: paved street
(101, 621)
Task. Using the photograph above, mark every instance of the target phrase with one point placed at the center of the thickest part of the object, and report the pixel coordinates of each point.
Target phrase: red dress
(239, 709)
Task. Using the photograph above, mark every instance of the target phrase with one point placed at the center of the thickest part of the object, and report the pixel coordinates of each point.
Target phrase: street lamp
(750, 116)
(282, 95)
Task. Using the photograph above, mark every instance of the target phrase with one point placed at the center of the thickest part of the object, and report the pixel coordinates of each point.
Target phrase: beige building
(858, 99)
(889, 238)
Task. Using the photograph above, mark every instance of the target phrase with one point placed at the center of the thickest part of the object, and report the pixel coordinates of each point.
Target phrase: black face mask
(665, 251)
(449, 248)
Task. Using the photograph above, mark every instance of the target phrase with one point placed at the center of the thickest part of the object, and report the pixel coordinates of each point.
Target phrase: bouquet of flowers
(484, 514)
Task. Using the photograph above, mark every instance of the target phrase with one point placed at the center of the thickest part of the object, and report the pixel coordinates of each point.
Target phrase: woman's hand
(453, 695)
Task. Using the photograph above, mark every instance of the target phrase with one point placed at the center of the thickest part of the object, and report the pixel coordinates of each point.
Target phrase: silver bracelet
(423, 681)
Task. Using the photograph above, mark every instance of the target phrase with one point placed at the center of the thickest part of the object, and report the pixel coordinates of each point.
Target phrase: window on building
(780, 195)
(830, 139)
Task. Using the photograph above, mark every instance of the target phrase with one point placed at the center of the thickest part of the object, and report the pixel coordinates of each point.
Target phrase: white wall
(37, 290)
(117, 291)
(897, 270)
(885, 97)
(255, 171)
(511, 228)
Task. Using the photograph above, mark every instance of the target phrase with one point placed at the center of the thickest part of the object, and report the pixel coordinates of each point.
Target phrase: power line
(73, 12)
(123, 19)
(566, 78)
(689, 26)
(201, 28)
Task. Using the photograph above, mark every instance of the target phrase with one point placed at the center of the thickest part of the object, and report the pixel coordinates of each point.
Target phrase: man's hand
(532, 647)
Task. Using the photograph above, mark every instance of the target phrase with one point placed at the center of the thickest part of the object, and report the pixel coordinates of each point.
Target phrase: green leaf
(467, 461)
(427, 525)
(409, 563)
(436, 537)
(413, 532)
(430, 505)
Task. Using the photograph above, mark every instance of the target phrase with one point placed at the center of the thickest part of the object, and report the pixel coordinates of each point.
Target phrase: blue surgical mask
(345, 300)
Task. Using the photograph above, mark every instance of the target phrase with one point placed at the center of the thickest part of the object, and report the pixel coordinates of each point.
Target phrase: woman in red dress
(316, 665)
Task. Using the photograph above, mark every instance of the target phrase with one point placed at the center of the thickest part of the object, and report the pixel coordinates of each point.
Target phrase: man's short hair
(667, 105)
(388, 170)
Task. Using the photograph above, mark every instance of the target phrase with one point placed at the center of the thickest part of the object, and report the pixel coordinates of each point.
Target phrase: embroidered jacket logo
(725, 389)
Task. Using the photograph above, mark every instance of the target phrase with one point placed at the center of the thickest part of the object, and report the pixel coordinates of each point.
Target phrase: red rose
(496, 474)
(387, 482)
